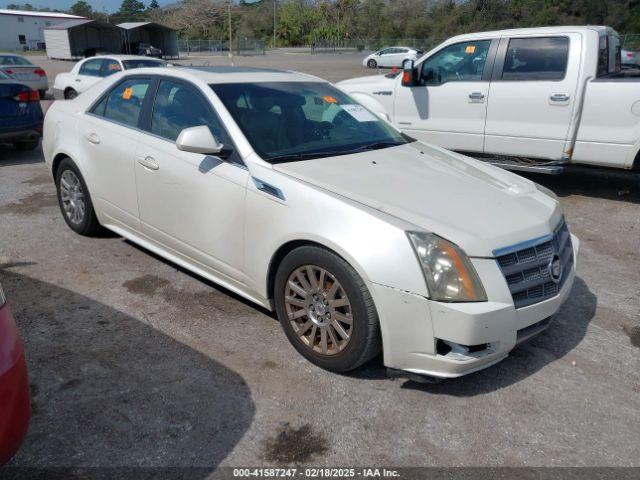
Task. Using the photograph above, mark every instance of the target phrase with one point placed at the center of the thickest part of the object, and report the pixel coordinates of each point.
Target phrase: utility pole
(274, 24)
(230, 39)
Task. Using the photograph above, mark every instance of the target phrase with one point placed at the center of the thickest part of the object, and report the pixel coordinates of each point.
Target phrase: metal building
(76, 39)
(24, 30)
(159, 36)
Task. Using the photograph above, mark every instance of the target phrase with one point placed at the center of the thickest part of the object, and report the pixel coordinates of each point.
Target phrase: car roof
(125, 57)
(532, 31)
(229, 74)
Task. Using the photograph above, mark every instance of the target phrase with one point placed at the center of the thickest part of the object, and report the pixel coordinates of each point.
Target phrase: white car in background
(630, 59)
(90, 71)
(25, 72)
(391, 57)
(359, 237)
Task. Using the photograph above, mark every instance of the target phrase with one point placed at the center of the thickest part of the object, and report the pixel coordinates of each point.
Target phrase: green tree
(82, 9)
(130, 11)
(153, 5)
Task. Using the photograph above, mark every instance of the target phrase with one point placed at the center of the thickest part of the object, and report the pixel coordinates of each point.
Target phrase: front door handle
(78, 80)
(476, 96)
(148, 162)
(559, 97)
(93, 138)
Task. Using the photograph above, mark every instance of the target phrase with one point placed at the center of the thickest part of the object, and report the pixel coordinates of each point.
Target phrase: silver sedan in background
(21, 69)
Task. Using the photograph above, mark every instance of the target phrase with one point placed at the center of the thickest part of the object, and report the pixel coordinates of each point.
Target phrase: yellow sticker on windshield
(329, 99)
(470, 49)
(127, 93)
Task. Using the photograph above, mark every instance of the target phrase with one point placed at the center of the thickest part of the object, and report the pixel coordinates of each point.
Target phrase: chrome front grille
(528, 267)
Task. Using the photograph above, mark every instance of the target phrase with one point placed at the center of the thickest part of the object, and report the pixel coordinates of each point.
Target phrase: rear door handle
(476, 96)
(93, 138)
(559, 97)
(148, 163)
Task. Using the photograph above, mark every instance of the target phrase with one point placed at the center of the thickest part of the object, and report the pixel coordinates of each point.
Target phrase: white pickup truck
(527, 99)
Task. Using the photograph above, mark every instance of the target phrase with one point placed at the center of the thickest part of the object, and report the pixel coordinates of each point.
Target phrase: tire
(81, 220)
(372, 63)
(70, 94)
(331, 350)
(42, 93)
(26, 145)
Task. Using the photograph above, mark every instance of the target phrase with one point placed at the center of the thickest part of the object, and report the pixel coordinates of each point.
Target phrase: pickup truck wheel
(74, 200)
(26, 146)
(372, 63)
(326, 309)
(70, 94)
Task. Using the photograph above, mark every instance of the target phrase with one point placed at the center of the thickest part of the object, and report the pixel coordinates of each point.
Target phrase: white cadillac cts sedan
(283, 189)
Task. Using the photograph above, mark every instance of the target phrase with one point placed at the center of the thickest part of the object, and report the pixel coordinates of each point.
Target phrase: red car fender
(14, 388)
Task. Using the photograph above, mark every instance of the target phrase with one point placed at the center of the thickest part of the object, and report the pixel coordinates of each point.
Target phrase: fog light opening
(458, 351)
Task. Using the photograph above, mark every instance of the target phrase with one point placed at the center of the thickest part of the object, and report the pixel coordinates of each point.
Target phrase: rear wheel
(70, 94)
(372, 63)
(75, 202)
(326, 310)
(26, 145)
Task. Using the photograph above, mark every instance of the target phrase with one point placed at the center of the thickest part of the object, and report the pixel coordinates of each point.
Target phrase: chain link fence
(241, 46)
(328, 45)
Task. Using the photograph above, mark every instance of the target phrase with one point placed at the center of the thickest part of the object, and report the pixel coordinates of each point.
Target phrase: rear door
(532, 95)
(90, 73)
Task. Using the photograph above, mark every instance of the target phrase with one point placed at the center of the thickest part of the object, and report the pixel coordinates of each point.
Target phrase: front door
(191, 203)
(109, 135)
(448, 107)
(532, 96)
(90, 73)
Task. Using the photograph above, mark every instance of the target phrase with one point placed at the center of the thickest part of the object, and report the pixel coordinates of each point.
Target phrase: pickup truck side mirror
(409, 73)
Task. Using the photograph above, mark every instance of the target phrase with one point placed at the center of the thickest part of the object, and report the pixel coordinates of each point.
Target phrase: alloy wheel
(318, 309)
(72, 197)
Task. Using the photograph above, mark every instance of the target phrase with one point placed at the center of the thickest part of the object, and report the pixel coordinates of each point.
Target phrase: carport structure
(159, 36)
(73, 39)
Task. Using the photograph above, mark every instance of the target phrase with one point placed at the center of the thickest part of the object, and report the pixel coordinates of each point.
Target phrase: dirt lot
(135, 362)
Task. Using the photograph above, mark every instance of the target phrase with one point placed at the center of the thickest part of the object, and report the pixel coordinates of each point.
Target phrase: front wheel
(73, 197)
(326, 309)
(372, 63)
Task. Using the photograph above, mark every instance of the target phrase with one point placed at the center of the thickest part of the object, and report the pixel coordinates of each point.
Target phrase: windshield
(288, 121)
(129, 64)
(14, 60)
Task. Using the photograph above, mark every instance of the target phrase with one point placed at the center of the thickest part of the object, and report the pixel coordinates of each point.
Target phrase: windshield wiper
(311, 155)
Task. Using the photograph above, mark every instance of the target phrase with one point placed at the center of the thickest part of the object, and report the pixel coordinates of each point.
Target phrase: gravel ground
(135, 362)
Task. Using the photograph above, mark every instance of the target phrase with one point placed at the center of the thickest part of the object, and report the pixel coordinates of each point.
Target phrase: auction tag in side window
(126, 95)
(470, 49)
(359, 113)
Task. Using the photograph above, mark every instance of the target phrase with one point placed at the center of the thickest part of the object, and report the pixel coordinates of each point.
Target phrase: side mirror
(200, 140)
(409, 73)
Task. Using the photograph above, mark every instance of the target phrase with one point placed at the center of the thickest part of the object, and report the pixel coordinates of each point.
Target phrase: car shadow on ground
(109, 390)
(566, 331)
(9, 156)
(623, 186)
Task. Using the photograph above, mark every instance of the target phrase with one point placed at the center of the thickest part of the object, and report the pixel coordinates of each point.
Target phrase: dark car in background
(14, 386)
(21, 115)
(148, 50)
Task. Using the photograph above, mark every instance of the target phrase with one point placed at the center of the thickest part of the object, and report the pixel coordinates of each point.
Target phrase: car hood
(477, 206)
(368, 80)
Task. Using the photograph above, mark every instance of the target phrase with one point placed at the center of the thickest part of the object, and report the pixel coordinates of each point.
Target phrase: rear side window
(124, 103)
(542, 58)
(91, 68)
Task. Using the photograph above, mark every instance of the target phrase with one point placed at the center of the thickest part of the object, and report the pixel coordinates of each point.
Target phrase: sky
(99, 5)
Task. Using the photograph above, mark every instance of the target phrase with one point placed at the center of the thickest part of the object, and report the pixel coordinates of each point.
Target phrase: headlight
(546, 191)
(3, 300)
(449, 274)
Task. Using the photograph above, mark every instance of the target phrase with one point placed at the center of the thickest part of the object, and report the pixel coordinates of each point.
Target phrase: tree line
(301, 22)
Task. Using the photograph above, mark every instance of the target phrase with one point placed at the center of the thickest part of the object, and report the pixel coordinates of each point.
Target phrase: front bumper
(429, 338)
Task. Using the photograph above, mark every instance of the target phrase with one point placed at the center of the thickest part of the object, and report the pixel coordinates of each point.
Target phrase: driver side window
(461, 62)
